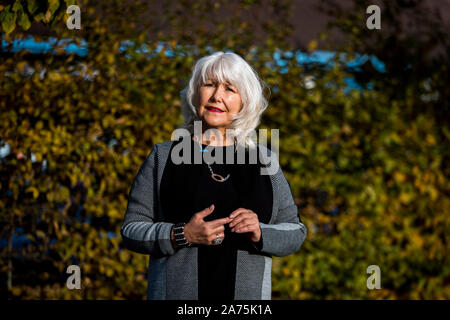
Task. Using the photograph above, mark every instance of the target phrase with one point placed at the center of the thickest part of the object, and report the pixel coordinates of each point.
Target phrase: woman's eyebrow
(216, 82)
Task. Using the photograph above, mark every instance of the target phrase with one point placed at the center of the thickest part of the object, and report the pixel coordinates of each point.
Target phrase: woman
(211, 227)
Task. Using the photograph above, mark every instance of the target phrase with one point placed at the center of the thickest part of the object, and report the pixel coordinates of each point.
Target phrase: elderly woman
(212, 227)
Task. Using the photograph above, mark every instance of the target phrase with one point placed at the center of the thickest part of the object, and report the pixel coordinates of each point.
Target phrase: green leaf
(24, 21)
(3, 12)
(32, 6)
(39, 16)
(8, 20)
(17, 6)
(53, 5)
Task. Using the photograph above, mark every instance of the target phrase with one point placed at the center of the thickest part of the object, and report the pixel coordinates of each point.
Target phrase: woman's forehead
(217, 80)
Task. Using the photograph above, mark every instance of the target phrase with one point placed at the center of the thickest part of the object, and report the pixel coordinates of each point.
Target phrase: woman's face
(217, 102)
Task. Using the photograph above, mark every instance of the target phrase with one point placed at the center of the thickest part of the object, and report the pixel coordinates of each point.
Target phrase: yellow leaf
(110, 58)
(109, 272)
(417, 240)
(38, 156)
(430, 140)
(39, 125)
(433, 193)
(47, 16)
(114, 213)
(34, 191)
(21, 66)
(405, 198)
(312, 45)
(399, 177)
(40, 234)
(124, 256)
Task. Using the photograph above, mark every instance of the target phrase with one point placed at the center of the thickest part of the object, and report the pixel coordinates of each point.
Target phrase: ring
(217, 240)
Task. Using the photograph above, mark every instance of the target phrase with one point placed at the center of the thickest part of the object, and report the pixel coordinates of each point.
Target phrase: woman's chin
(214, 122)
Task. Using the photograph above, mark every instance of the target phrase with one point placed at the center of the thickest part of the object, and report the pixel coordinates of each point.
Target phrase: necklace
(215, 176)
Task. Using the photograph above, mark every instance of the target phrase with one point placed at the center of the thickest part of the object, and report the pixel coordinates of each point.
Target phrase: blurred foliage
(23, 13)
(368, 168)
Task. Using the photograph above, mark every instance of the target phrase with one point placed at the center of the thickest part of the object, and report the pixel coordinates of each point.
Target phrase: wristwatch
(178, 232)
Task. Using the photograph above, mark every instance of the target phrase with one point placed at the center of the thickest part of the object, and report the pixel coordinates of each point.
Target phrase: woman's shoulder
(269, 159)
(158, 154)
(164, 144)
(263, 148)
(265, 151)
(162, 148)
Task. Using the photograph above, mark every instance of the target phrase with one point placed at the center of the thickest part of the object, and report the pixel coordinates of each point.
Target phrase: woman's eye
(212, 85)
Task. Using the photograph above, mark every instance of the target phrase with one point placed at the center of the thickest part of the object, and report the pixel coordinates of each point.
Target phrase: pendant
(219, 178)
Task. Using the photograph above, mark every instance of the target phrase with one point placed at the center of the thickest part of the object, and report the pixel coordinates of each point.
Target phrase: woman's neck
(213, 140)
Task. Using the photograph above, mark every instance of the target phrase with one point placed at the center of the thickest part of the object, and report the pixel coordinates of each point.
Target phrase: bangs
(220, 70)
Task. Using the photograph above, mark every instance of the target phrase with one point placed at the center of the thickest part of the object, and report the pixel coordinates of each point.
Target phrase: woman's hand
(198, 231)
(245, 221)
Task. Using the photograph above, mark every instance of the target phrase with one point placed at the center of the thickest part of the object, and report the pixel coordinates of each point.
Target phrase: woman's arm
(140, 232)
(286, 233)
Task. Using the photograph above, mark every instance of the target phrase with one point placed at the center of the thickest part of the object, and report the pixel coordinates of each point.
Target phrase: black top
(189, 188)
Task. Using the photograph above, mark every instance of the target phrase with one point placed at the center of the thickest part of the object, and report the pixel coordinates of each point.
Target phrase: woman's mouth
(213, 109)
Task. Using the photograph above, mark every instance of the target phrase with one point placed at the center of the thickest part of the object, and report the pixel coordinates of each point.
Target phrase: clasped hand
(199, 231)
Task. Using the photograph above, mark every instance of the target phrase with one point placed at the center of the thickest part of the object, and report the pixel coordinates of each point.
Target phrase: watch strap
(178, 232)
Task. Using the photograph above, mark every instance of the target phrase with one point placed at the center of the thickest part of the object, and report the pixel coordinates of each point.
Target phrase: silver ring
(217, 240)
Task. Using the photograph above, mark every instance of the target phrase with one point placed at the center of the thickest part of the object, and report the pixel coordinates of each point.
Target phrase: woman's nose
(217, 94)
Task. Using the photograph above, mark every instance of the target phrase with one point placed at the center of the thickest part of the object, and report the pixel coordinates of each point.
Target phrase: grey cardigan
(172, 273)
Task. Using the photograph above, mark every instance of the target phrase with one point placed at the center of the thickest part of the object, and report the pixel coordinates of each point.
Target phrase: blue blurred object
(5, 150)
(19, 240)
(44, 46)
(321, 57)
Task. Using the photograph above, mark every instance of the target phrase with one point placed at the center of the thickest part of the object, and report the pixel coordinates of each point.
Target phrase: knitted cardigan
(172, 273)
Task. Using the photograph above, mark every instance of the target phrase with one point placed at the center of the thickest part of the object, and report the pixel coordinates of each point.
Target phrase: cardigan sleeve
(140, 232)
(286, 233)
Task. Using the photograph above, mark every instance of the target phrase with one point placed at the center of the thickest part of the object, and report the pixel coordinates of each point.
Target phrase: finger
(219, 229)
(213, 238)
(236, 220)
(242, 217)
(245, 228)
(244, 223)
(240, 211)
(218, 222)
(205, 212)
(237, 212)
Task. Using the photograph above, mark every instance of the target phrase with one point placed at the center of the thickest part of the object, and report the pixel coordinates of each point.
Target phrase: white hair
(228, 67)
